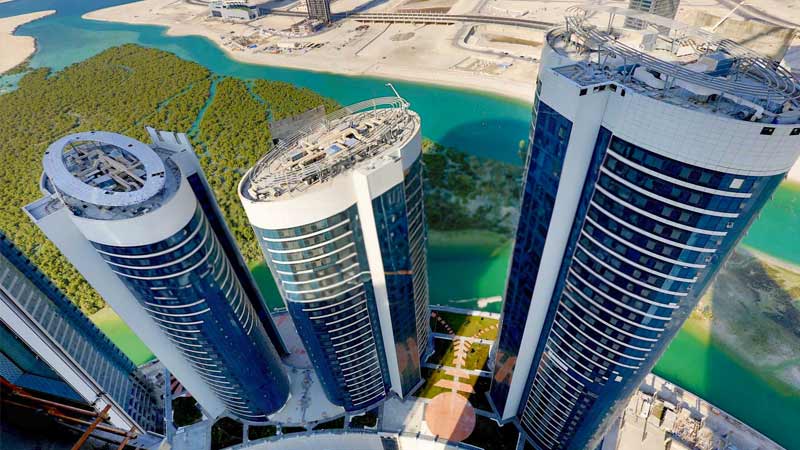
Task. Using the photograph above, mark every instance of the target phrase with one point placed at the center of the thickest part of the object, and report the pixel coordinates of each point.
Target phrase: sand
(428, 57)
(16, 49)
(794, 173)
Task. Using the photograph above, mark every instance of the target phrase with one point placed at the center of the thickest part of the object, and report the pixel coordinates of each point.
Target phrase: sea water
(467, 267)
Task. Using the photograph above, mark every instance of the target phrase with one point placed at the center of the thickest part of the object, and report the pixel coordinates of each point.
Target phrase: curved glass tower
(645, 169)
(147, 212)
(48, 345)
(338, 212)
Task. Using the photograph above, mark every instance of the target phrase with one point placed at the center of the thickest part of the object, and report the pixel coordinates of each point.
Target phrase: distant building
(233, 10)
(47, 345)
(663, 8)
(319, 10)
(645, 169)
(141, 224)
(337, 209)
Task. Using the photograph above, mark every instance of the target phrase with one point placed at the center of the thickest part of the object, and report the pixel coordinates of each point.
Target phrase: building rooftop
(319, 151)
(676, 63)
(107, 175)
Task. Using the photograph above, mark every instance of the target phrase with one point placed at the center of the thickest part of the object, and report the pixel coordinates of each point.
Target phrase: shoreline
(145, 13)
(17, 49)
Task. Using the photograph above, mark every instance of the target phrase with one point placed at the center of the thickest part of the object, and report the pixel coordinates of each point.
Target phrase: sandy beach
(794, 173)
(376, 53)
(17, 48)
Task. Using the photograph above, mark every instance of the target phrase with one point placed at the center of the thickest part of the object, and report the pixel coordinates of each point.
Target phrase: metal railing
(759, 78)
(274, 174)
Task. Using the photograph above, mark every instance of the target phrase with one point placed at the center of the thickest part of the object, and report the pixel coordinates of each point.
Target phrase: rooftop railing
(276, 173)
(754, 77)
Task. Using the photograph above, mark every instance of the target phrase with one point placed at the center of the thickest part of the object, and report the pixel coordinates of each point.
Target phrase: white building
(337, 209)
(140, 223)
(651, 154)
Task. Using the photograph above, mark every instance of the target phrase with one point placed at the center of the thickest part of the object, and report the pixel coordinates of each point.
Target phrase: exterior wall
(651, 199)
(663, 8)
(319, 9)
(55, 221)
(418, 252)
(348, 258)
(38, 316)
(188, 286)
(175, 277)
(322, 272)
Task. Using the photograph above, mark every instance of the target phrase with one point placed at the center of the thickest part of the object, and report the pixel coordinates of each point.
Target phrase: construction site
(488, 45)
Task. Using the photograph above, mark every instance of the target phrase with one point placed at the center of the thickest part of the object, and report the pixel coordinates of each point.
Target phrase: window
(767, 131)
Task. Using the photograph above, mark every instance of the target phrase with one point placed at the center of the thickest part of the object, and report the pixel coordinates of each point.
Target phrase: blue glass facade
(26, 288)
(417, 244)
(392, 226)
(322, 272)
(649, 235)
(189, 287)
(548, 145)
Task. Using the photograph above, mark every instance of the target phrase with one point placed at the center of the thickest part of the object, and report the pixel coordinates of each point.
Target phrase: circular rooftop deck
(104, 169)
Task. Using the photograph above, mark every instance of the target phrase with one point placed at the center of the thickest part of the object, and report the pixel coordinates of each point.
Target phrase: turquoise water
(775, 231)
(485, 126)
(482, 124)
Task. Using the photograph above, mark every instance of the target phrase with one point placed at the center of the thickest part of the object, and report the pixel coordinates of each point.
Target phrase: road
(428, 18)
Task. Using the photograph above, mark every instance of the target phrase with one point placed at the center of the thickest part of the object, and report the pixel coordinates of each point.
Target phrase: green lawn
(444, 354)
(476, 399)
(112, 325)
(464, 325)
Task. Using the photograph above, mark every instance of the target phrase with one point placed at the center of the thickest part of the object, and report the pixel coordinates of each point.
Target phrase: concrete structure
(319, 10)
(141, 224)
(233, 10)
(645, 169)
(663, 8)
(660, 413)
(354, 440)
(337, 209)
(47, 345)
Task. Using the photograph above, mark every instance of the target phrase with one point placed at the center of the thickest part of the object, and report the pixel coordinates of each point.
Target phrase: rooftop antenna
(393, 89)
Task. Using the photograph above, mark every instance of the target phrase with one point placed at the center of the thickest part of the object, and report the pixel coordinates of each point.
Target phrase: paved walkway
(449, 415)
(467, 312)
(472, 340)
(480, 373)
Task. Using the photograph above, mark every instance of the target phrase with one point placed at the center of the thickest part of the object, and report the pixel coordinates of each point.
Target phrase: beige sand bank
(428, 57)
(15, 49)
(794, 174)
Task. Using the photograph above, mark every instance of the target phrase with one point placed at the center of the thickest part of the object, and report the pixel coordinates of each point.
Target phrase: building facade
(319, 10)
(664, 8)
(48, 345)
(141, 224)
(642, 175)
(338, 212)
(233, 10)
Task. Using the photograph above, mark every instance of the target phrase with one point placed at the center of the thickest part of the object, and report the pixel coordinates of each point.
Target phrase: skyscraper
(644, 170)
(142, 226)
(73, 359)
(319, 10)
(337, 209)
